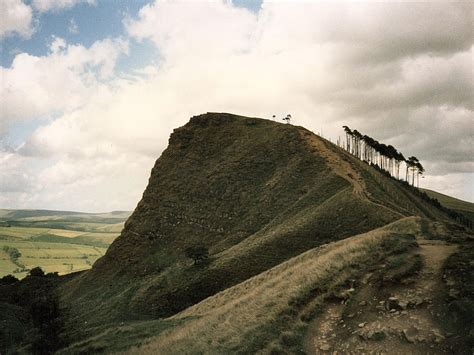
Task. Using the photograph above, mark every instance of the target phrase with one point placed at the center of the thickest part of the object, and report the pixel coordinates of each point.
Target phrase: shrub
(8, 280)
(37, 271)
(198, 253)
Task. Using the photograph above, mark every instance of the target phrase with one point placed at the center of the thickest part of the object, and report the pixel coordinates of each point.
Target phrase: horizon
(107, 83)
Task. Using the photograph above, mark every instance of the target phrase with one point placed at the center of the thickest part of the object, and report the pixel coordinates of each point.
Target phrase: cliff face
(255, 192)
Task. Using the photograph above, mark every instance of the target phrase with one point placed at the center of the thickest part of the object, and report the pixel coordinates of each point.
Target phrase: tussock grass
(264, 310)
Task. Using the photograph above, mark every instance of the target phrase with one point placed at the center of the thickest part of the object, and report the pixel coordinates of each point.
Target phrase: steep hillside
(255, 192)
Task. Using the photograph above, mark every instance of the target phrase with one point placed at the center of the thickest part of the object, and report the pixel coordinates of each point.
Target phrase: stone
(362, 325)
(372, 334)
(403, 304)
(415, 302)
(410, 334)
(325, 347)
(362, 303)
(392, 303)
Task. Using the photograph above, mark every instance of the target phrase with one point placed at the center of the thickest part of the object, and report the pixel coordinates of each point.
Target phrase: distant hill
(255, 193)
(463, 207)
(57, 241)
(51, 215)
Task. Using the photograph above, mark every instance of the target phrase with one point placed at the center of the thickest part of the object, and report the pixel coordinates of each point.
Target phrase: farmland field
(56, 241)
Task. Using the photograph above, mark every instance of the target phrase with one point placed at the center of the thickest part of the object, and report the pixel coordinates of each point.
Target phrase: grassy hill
(266, 310)
(460, 206)
(57, 241)
(290, 222)
(256, 193)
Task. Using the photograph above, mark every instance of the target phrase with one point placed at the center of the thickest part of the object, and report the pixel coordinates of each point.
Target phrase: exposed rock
(411, 334)
(325, 347)
(438, 337)
(392, 303)
(373, 334)
(415, 302)
(403, 304)
(362, 325)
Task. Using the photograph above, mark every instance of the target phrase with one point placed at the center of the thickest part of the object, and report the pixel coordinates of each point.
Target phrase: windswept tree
(348, 137)
(357, 138)
(412, 165)
(420, 171)
(386, 157)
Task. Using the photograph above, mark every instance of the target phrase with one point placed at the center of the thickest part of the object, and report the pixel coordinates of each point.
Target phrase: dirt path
(400, 318)
(342, 167)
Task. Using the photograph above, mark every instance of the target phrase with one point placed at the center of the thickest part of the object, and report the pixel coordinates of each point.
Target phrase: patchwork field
(60, 242)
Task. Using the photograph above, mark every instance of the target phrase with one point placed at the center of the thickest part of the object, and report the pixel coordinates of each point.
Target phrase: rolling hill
(455, 204)
(57, 241)
(292, 224)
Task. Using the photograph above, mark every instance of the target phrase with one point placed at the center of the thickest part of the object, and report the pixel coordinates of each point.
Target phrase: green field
(56, 241)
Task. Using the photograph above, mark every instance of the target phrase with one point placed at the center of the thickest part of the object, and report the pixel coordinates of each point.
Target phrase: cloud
(63, 80)
(56, 5)
(402, 74)
(16, 18)
(73, 28)
(208, 28)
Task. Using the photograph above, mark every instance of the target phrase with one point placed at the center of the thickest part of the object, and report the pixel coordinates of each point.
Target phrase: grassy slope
(463, 207)
(255, 191)
(266, 310)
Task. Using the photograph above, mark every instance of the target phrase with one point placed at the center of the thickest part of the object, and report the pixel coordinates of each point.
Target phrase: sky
(92, 89)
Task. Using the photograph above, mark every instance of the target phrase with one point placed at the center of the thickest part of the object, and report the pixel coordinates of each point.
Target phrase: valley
(56, 241)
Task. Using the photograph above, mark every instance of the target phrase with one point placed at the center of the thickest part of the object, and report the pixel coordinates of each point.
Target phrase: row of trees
(386, 157)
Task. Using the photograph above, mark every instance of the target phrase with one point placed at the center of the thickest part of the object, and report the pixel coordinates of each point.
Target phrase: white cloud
(206, 28)
(62, 81)
(56, 5)
(402, 74)
(16, 17)
(73, 28)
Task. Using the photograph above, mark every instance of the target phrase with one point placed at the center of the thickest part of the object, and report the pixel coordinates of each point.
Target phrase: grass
(463, 207)
(52, 247)
(265, 311)
(51, 257)
(256, 193)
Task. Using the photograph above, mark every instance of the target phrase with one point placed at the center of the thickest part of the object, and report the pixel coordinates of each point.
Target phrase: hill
(255, 193)
(299, 235)
(460, 206)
